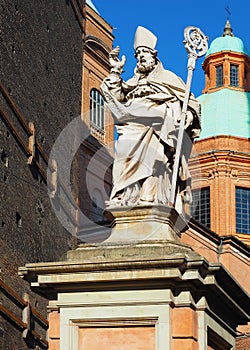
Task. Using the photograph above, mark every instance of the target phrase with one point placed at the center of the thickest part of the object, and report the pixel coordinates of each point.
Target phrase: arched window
(96, 110)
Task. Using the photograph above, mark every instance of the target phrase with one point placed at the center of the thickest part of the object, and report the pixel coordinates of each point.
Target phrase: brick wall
(41, 65)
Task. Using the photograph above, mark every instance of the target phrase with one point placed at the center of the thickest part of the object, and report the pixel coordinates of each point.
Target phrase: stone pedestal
(148, 222)
(141, 289)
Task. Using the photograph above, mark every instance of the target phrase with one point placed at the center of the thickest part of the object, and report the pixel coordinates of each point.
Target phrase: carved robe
(147, 110)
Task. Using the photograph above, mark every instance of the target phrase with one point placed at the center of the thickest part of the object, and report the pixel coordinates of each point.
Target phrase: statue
(147, 111)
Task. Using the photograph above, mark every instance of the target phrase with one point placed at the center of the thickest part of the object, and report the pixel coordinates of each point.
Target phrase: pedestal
(141, 289)
(148, 222)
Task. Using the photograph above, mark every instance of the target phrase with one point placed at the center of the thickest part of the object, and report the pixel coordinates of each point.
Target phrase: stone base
(147, 222)
(151, 295)
(128, 253)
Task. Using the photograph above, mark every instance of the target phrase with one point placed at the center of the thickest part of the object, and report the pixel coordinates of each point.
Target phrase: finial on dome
(228, 29)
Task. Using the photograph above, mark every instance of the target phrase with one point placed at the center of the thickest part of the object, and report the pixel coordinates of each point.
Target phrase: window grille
(242, 210)
(96, 110)
(234, 75)
(219, 75)
(200, 207)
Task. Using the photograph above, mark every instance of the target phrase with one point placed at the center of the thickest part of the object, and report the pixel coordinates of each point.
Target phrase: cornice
(142, 265)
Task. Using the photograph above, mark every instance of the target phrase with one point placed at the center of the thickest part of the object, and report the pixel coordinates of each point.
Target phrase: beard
(146, 66)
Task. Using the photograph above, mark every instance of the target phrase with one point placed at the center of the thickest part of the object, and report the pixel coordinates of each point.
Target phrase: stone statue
(147, 111)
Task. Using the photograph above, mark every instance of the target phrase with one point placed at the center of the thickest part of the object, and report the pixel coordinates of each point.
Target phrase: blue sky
(167, 20)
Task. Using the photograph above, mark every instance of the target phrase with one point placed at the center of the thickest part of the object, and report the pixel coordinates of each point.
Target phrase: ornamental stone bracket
(222, 170)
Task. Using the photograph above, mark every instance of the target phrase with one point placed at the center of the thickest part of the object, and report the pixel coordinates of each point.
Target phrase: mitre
(143, 37)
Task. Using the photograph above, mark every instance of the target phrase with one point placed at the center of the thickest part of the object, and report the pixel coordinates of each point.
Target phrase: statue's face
(146, 59)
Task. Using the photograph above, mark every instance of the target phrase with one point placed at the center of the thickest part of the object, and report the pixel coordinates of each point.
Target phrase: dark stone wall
(41, 54)
(41, 69)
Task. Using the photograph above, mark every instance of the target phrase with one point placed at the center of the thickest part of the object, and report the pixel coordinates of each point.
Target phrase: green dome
(225, 112)
(227, 43)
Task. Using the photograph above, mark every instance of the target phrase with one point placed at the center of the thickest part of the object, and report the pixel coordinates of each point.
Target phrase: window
(200, 207)
(242, 210)
(234, 80)
(96, 110)
(97, 206)
(219, 75)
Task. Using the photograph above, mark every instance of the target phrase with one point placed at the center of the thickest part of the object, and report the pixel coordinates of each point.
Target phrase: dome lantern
(228, 29)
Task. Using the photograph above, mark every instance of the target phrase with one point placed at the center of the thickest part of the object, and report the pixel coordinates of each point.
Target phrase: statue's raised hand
(116, 64)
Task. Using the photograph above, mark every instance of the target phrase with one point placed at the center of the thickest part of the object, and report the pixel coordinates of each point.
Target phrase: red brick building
(220, 159)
